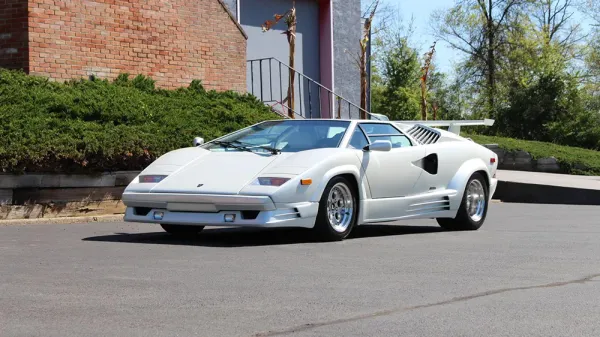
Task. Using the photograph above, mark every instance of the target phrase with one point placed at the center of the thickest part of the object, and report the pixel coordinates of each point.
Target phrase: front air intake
(141, 211)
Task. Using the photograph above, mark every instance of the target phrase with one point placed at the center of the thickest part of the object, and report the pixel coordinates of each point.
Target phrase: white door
(390, 174)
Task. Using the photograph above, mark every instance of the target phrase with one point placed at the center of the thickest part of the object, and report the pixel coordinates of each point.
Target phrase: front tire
(473, 208)
(338, 209)
(182, 230)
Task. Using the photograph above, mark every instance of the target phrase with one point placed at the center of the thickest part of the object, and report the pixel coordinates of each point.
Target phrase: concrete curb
(63, 220)
(519, 192)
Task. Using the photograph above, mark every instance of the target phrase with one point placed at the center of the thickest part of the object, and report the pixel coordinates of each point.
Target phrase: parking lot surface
(532, 270)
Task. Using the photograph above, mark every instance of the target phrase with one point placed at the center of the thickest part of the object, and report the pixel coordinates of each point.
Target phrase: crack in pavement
(309, 326)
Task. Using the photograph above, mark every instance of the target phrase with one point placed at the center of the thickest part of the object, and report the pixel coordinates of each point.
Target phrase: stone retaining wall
(523, 161)
(32, 196)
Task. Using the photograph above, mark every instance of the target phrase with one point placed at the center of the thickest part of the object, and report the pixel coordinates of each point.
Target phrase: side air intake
(433, 205)
(424, 134)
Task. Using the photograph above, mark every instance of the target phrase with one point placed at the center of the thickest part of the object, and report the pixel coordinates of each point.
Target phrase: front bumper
(212, 210)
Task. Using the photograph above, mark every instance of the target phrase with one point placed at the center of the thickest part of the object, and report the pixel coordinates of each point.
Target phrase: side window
(358, 140)
(384, 131)
(379, 129)
(400, 141)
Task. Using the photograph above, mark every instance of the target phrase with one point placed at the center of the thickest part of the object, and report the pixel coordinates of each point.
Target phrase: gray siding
(346, 36)
(274, 44)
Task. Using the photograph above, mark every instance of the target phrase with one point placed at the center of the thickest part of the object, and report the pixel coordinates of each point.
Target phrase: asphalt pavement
(532, 270)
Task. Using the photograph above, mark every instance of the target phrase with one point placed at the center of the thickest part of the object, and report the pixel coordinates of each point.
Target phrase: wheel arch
(348, 171)
(486, 177)
(460, 179)
(356, 178)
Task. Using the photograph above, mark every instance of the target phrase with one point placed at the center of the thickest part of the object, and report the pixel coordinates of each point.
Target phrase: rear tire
(182, 230)
(338, 209)
(473, 208)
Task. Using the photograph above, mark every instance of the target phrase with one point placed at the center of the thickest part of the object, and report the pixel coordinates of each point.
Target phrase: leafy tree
(449, 99)
(549, 99)
(543, 98)
(397, 94)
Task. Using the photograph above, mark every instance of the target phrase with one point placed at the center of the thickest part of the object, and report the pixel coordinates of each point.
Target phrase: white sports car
(326, 174)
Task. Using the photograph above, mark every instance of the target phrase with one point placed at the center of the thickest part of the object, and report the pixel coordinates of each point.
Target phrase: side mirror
(379, 145)
(198, 141)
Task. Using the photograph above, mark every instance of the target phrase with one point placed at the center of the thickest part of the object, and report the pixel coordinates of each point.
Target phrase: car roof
(330, 119)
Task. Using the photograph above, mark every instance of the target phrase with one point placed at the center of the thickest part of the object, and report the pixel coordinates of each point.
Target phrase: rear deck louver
(424, 134)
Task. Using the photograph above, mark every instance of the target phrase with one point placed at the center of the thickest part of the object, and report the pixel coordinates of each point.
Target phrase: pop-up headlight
(270, 181)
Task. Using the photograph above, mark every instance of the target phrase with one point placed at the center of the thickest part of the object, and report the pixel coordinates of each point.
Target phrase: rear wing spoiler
(453, 125)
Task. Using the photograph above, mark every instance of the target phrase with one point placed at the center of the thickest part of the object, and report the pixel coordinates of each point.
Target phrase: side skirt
(438, 204)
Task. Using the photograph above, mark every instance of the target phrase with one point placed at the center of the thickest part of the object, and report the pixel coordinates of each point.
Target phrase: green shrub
(573, 160)
(94, 125)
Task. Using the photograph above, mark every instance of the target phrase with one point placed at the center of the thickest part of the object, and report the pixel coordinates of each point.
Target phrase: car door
(391, 174)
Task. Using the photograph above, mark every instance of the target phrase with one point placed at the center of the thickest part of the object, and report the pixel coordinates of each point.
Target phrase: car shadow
(247, 237)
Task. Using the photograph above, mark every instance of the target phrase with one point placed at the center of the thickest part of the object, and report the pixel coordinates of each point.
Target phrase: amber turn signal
(306, 181)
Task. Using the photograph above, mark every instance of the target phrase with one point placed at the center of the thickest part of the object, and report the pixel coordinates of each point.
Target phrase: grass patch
(573, 160)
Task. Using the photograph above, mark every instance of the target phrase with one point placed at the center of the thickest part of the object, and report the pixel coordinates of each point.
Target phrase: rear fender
(459, 180)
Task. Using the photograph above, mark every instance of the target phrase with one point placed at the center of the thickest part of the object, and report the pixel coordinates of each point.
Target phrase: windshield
(283, 136)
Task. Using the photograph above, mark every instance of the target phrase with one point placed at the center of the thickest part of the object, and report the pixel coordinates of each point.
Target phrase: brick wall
(173, 41)
(13, 34)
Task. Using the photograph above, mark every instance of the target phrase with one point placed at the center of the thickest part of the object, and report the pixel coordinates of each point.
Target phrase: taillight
(152, 178)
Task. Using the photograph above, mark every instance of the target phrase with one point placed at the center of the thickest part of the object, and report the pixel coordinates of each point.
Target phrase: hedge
(572, 160)
(91, 125)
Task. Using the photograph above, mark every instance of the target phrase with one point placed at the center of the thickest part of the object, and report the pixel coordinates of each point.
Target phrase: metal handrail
(331, 95)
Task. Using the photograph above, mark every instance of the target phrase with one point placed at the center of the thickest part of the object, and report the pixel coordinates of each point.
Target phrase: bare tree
(553, 20)
(371, 28)
(592, 9)
(424, 74)
(290, 21)
(364, 42)
(476, 28)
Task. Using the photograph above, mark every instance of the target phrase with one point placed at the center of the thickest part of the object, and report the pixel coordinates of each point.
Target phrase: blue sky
(423, 37)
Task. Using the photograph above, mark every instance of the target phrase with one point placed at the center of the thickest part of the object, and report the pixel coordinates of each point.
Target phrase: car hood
(218, 172)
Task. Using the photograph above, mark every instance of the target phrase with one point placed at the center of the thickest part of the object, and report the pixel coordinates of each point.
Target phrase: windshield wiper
(246, 147)
(268, 148)
(230, 144)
